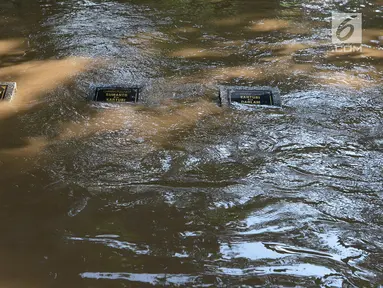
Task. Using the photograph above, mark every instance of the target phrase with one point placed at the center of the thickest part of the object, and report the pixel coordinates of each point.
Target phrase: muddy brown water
(177, 191)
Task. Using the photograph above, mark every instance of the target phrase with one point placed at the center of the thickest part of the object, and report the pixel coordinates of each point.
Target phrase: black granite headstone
(116, 94)
(7, 90)
(252, 97)
(267, 96)
(3, 90)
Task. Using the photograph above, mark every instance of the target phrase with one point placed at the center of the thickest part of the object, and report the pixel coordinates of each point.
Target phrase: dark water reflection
(179, 192)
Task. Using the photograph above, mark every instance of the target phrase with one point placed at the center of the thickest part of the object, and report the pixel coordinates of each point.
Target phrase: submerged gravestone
(7, 90)
(254, 96)
(115, 94)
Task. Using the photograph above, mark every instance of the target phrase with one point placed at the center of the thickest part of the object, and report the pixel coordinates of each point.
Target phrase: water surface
(177, 191)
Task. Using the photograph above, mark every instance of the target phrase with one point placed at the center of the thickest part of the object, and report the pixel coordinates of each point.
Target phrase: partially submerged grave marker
(115, 94)
(254, 96)
(7, 90)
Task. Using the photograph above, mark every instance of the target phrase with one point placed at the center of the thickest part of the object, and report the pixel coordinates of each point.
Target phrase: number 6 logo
(343, 26)
(346, 28)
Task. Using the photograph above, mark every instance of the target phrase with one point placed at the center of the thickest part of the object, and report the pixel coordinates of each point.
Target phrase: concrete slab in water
(250, 95)
(7, 90)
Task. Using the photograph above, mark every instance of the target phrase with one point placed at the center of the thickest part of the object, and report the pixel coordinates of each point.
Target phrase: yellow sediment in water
(34, 78)
(199, 53)
(269, 25)
(349, 79)
(12, 46)
(155, 124)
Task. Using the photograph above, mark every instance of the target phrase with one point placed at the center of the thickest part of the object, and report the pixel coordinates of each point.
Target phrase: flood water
(178, 191)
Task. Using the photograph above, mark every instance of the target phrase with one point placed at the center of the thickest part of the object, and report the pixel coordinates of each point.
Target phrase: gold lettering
(117, 95)
(250, 97)
(251, 102)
